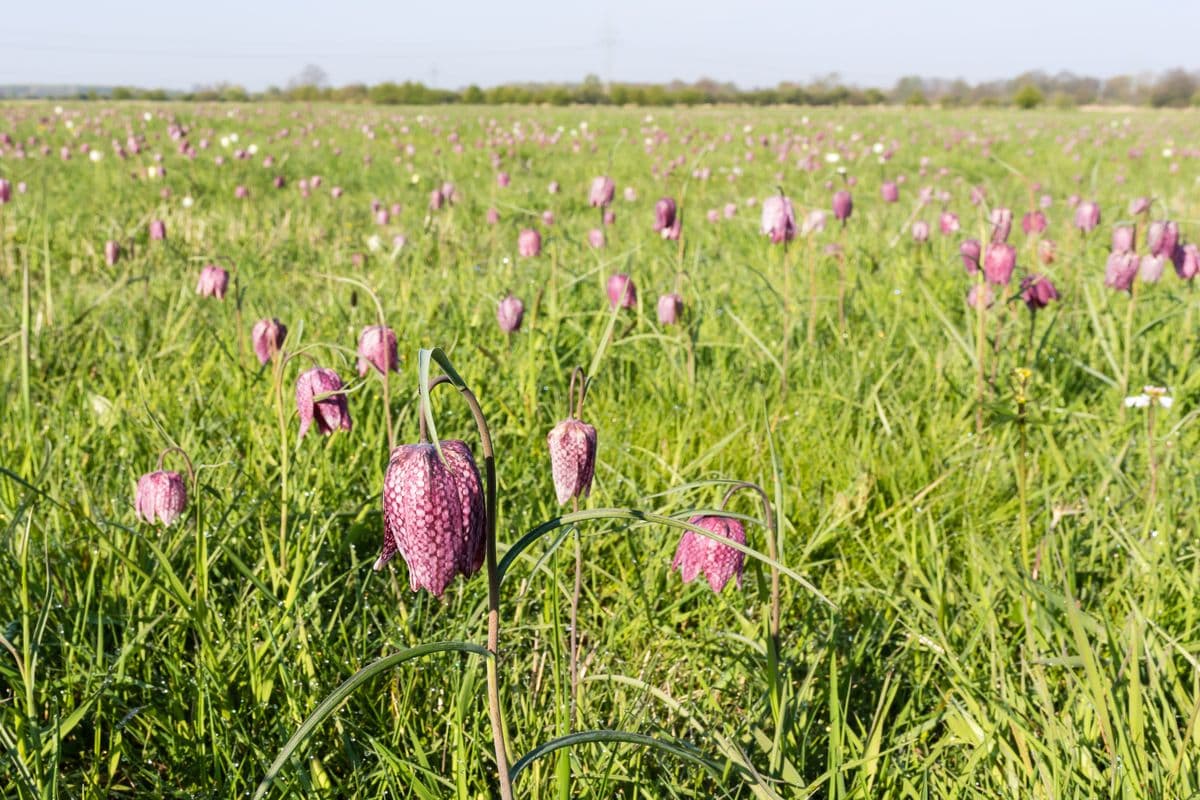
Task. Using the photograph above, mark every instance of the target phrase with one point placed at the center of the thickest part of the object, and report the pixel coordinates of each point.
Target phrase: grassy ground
(988, 636)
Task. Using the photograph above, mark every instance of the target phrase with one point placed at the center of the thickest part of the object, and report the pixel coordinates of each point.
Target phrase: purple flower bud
(621, 291)
(161, 497)
(377, 348)
(630, 194)
(778, 219)
(602, 192)
(1123, 238)
(730, 210)
(1087, 216)
(999, 262)
(1002, 220)
(503, 179)
(1045, 201)
(382, 217)
(436, 199)
(948, 223)
(241, 192)
(493, 216)
(1120, 271)
(596, 238)
(1187, 266)
(920, 231)
(890, 192)
(610, 217)
(330, 412)
(547, 217)
(1033, 222)
(336, 192)
(843, 205)
(1037, 291)
(978, 194)
(434, 514)
(267, 337)
(5, 191)
(980, 295)
(572, 446)
(664, 214)
(553, 187)
(1139, 205)
(1150, 268)
(697, 553)
(669, 307)
(1162, 238)
(279, 182)
(814, 222)
(158, 230)
(509, 314)
(970, 250)
(112, 252)
(213, 282)
(529, 243)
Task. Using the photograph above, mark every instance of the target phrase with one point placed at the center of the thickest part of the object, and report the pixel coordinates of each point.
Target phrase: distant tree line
(1176, 88)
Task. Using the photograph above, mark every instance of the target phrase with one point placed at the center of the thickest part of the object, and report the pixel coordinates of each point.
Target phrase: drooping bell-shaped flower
(970, 250)
(1139, 205)
(434, 514)
(158, 230)
(948, 223)
(1120, 271)
(1087, 216)
(161, 497)
(778, 219)
(1037, 291)
(669, 307)
(1162, 238)
(1123, 238)
(330, 412)
(999, 262)
(1150, 268)
(1033, 222)
(509, 314)
(572, 445)
(843, 205)
(377, 348)
(1002, 220)
(920, 231)
(602, 192)
(5, 191)
(267, 337)
(1187, 266)
(529, 243)
(718, 562)
(596, 238)
(890, 192)
(621, 291)
(112, 252)
(980, 295)
(213, 282)
(664, 214)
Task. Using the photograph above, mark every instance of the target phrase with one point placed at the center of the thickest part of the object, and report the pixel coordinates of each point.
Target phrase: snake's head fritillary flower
(664, 214)
(669, 308)
(948, 223)
(1002, 220)
(503, 179)
(1188, 264)
(890, 192)
(5, 191)
(814, 222)
(920, 231)
(970, 250)
(1123, 239)
(267, 337)
(978, 195)
(319, 399)
(980, 295)
(610, 217)
(999, 262)
(621, 291)
(553, 187)
(1139, 205)
(161, 497)
(718, 562)
(433, 514)
(241, 192)
(1120, 271)
(158, 230)
(112, 252)
(377, 347)
(1087, 216)
(778, 219)
(213, 282)
(843, 205)
(602, 192)
(1150, 268)
(596, 238)
(1162, 238)
(1037, 291)
(572, 445)
(436, 199)
(493, 216)
(509, 314)
(1033, 222)
(529, 243)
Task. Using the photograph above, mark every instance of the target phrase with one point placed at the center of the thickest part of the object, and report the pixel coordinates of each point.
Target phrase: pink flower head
(778, 219)
(493, 216)
(158, 230)
(970, 250)
(890, 192)
(1187, 266)
(664, 214)
(509, 314)
(1002, 220)
(669, 306)
(1037, 291)
(503, 179)
(161, 497)
(436, 199)
(241, 192)
(553, 187)
(1162, 238)
(5, 191)
(1123, 238)
(843, 205)
(596, 238)
(547, 217)
(602, 192)
(948, 223)
(621, 291)
(1120, 271)
(330, 412)
(610, 217)
(630, 194)
(572, 445)
(1033, 222)
(267, 337)
(814, 222)
(920, 231)
(529, 243)
(980, 295)
(434, 514)
(377, 348)
(999, 262)
(1139, 205)
(1150, 268)
(213, 282)
(1087, 216)
(697, 553)
(112, 252)
(729, 211)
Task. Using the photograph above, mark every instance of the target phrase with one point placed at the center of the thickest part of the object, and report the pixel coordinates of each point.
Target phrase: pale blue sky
(751, 42)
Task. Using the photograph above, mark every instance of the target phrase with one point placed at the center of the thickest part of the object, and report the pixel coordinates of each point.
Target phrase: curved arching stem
(190, 469)
(495, 712)
(577, 392)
